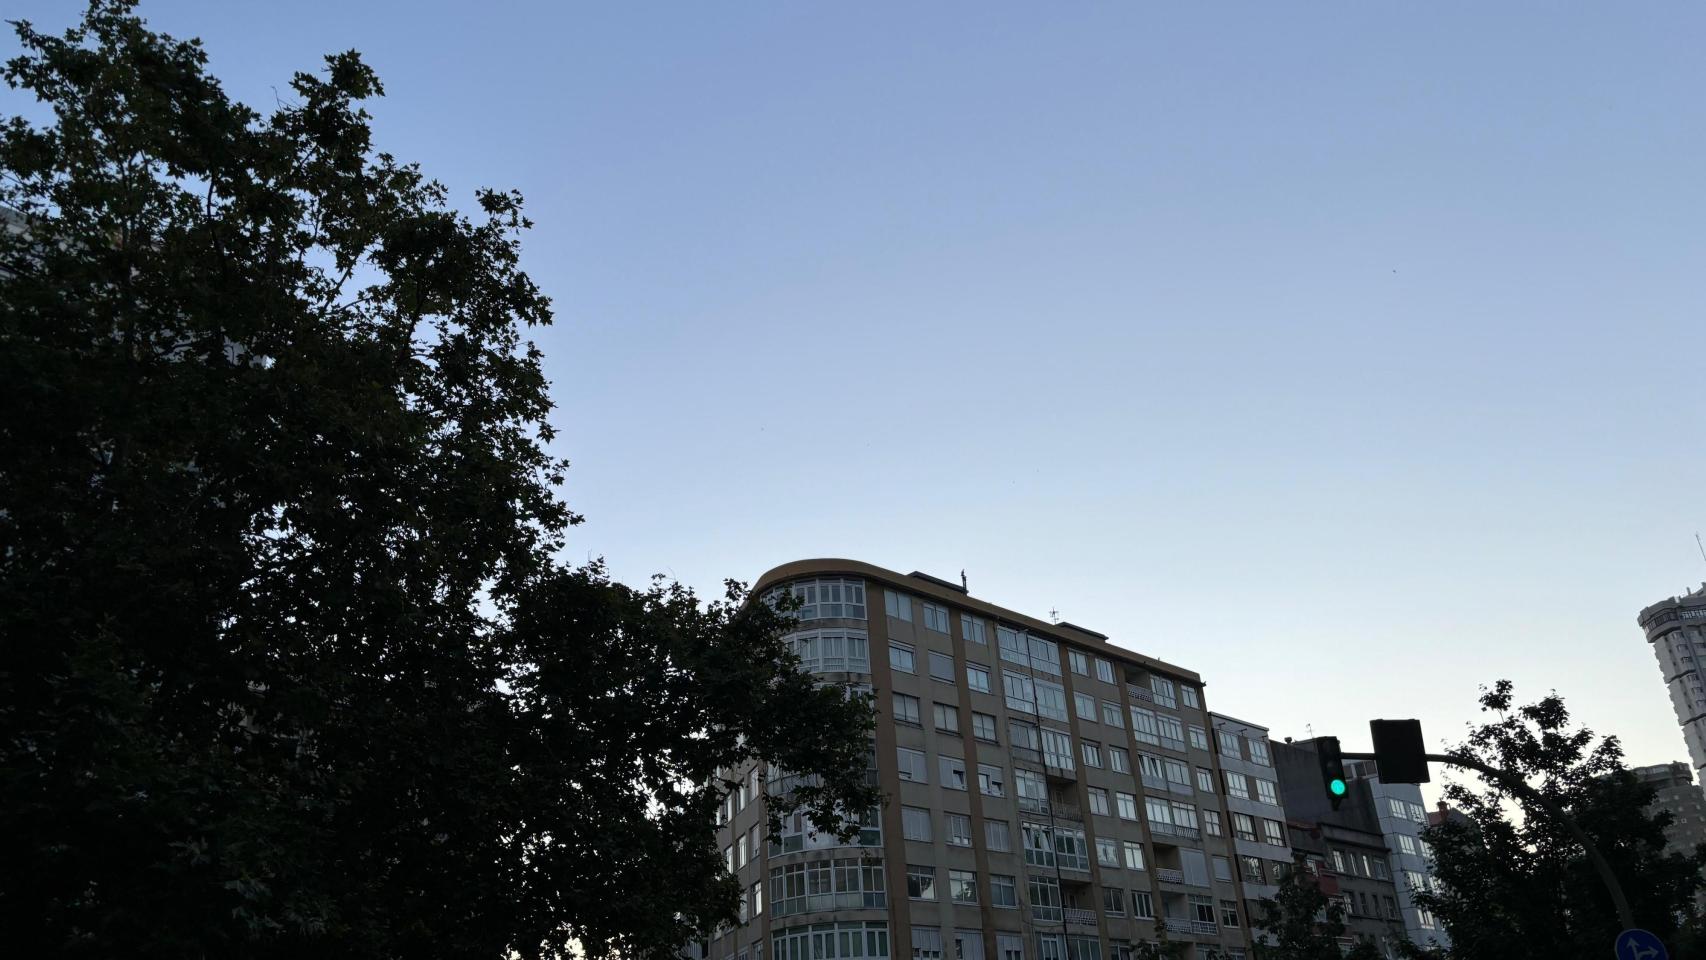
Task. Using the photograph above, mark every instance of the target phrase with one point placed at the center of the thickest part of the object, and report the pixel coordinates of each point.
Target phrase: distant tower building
(1676, 628)
(1674, 791)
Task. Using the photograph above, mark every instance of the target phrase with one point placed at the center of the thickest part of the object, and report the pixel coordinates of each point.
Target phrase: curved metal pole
(1515, 784)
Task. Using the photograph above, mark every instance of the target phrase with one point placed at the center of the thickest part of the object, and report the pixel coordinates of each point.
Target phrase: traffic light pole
(1515, 784)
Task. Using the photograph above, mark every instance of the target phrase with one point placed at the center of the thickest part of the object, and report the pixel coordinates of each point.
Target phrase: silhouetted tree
(286, 665)
(1522, 886)
(1302, 923)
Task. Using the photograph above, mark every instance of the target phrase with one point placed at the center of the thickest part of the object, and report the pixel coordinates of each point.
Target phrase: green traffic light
(1338, 787)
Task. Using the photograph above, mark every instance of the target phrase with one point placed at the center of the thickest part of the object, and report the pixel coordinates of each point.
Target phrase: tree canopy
(1521, 885)
(287, 663)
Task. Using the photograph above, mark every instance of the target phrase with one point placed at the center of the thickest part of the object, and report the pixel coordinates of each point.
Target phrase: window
(1085, 706)
(1142, 905)
(1380, 872)
(1104, 670)
(968, 944)
(1108, 853)
(1143, 728)
(1223, 869)
(1265, 791)
(953, 772)
(1083, 948)
(897, 605)
(972, 629)
(996, 835)
(906, 709)
(1189, 696)
(1184, 815)
(1243, 827)
(1407, 844)
(915, 823)
(1202, 909)
(1259, 753)
(947, 717)
(825, 885)
(1118, 760)
(1045, 899)
(1111, 715)
(958, 828)
(1163, 689)
(1205, 780)
(935, 618)
(1127, 804)
(1021, 695)
(1025, 738)
(1398, 808)
(926, 941)
(1338, 862)
(831, 651)
(1367, 868)
(1098, 801)
(1229, 913)
(1273, 832)
(1113, 901)
(1418, 813)
(756, 898)
(1039, 847)
(977, 677)
(1092, 753)
(821, 599)
(1133, 855)
(1251, 867)
(1154, 771)
(1229, 744)
(740, 852)
(1199, 738)
(1014, 648)
(900, 658)
(941, 667)
(1003, 892)
(1211, 823)
(1031, 789)
(1051, 700)
(1057, 749)
(1080, 663)
(1045, 656)
(911, 764)
(1237, 785)
(1172, 732)
(991, 782)
(983, 726)
(858, 941)
(1178, 777)
(920, 884)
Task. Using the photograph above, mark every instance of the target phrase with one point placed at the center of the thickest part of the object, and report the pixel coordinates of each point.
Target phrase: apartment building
(1052, 796)
(1676, 630)
(1260, 841)
(1351, 866)
(1391, 811)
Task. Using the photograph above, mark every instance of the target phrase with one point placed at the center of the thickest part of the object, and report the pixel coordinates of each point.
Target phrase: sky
(1346, 353)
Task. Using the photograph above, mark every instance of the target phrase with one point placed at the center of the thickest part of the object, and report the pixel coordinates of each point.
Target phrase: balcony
(1070, 873)
(1166, 875)
(1045, 913)
(1030, 754)
(1077, 915)
(1140, 693)
(1178, 925)
(1172, 744)
(1204, 927)
(1159, 830)
(1054, 769)
(1066, 811)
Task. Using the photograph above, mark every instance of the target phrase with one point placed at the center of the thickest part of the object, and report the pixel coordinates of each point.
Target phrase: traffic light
(1398, 751)
(1332, 769)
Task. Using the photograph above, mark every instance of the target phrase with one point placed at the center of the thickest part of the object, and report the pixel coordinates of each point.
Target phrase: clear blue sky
(1348, 353)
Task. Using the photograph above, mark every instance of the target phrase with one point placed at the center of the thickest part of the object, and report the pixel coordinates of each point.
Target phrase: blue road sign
(1638, 944)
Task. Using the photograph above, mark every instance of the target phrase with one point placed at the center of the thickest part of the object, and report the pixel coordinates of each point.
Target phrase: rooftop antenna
(1054, 615)
(967, 588)
(1702, 546)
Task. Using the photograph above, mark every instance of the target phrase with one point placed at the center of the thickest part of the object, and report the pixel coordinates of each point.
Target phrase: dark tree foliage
(286, 665)
(1300, 922)
(1520, 885)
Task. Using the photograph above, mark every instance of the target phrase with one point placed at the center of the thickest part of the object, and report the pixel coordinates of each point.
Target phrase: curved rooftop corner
(1689, 606)
(924, 585)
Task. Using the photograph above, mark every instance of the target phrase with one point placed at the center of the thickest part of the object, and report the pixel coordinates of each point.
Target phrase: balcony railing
(1173, 744)
(1203, 926)
(1178, 925)
(1174, 830)
(1140, 693)
(1165, 875)
(1026, 753)
(1076, 915)
(1066, 811)
(1059, 769)
(1154, 782)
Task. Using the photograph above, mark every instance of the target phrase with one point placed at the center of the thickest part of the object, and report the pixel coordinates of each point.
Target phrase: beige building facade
(1052, 796)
